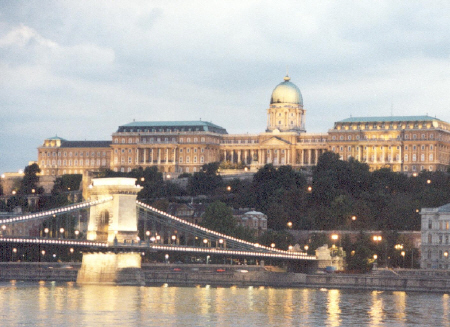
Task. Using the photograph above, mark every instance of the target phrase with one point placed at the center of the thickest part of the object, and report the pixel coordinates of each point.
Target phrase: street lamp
(398, 246)
(77, 232)
(377, 238)
(205, 241)
(61, 232)
(272, 245)
(46, 230)
(403, 255)
(174, 237)
(306, 247)
(289, 224)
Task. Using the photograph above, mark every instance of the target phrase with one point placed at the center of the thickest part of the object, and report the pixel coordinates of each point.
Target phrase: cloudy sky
(79, 69)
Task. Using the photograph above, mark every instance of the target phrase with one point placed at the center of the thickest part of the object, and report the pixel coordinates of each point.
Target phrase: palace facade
(408, 144)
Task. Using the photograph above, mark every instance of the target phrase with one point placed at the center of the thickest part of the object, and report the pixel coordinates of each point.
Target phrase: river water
(68, 304)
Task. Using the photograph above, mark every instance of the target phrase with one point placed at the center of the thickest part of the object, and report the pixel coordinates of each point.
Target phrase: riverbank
(240, 276)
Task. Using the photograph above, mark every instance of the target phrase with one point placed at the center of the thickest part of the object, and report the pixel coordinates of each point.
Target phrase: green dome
(287, 92)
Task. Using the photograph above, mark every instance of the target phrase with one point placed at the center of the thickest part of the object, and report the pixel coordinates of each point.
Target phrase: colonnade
(379, 154)
(156, 156)
(275, 156)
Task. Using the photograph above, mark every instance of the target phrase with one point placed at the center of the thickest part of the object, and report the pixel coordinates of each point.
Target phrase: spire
(287, 78)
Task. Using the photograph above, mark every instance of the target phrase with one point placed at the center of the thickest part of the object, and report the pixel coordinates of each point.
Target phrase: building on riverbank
(435, 232)
(407, 144)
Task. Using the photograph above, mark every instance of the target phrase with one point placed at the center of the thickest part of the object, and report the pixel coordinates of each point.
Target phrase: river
(67, 304)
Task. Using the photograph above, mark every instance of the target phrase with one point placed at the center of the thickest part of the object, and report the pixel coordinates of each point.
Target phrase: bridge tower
(114, 220)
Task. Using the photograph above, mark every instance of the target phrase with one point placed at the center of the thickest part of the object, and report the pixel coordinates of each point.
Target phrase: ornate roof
(387, 119)
(286, 92)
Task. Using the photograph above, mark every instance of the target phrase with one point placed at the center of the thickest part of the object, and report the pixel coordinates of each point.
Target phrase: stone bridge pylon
(116, 220)
(111, 222)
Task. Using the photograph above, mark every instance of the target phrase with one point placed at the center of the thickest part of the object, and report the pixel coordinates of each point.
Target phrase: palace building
(408, 144)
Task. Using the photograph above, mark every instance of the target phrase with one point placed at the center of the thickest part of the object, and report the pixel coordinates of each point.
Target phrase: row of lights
(235, 252)
(57, 211)
(46, 241)
(210, 231)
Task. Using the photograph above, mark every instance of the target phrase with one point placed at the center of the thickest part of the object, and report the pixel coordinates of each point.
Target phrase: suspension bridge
(115, 222)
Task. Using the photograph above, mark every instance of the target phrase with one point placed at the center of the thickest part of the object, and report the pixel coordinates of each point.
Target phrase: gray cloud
(80, 69)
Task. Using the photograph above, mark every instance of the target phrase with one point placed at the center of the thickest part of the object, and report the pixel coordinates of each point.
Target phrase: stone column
(145, 156)
(159, 156)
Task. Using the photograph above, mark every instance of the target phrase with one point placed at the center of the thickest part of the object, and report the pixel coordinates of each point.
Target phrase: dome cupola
(287, 92)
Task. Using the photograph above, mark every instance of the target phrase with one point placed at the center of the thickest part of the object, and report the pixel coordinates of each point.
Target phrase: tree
(359, 254)
(281, 194)
(30, 181)
(206, 181)
(219, 217)
(281, 239)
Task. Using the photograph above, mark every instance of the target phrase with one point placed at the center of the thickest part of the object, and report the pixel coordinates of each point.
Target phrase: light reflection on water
(67, 304)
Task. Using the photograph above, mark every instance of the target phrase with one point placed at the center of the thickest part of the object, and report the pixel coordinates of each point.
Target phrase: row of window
(414, 147)
(166, 130)
(377, 137)
(188, 159)
(239, 141)
(180, 159)
(383, 126)
(422, 157)
(75, 162)
(75, 154)
(157, 140)
(151, 150)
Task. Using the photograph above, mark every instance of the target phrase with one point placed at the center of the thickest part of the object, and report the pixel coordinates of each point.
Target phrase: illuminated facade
(408, 144)
(435, 233)
(405, 144)
(58, 156)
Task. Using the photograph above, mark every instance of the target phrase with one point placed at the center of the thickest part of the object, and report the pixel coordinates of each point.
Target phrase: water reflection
(67, 304)
(333, 309)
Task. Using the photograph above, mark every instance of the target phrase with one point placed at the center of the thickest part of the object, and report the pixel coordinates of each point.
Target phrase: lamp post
(61, 232)
(334, 237)
(77, 232)
(377, 239)
(289, 224)
(46, 230)
(403, 255)
(398, 247)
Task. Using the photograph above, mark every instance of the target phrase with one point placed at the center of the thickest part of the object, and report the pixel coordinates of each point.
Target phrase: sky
(79, 69)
